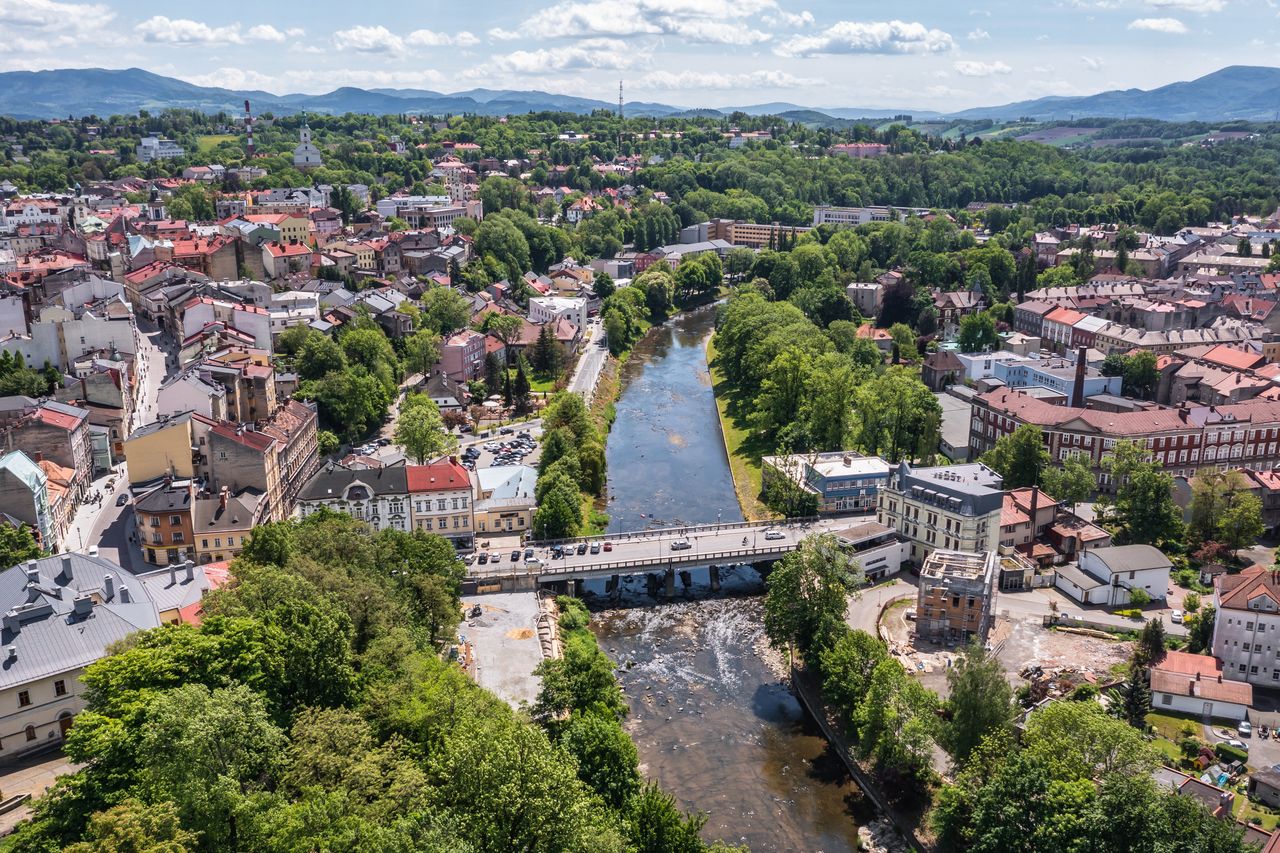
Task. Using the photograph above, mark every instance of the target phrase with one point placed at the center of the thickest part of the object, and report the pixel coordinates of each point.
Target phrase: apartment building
(377, 496)
(441, 501)
(952, 508)
(1246, 630)
(955, 598)
(1183, 440)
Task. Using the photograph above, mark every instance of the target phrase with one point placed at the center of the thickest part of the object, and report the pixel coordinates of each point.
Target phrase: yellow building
(161, 448)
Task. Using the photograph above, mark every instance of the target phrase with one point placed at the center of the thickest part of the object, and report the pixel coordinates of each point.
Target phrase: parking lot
(519, 447)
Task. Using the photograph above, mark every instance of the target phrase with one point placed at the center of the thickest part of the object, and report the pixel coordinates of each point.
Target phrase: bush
(1129, 613)
(1139, 598)
(574, 615)
(1191, 603)
(1084, 693)
(1189, 747)
(1227, 752)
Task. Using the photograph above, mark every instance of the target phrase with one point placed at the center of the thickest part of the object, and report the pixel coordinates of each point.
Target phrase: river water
(711, 714)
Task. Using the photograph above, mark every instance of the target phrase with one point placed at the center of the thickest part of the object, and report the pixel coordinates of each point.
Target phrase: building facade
(953, 508)
(955, 599)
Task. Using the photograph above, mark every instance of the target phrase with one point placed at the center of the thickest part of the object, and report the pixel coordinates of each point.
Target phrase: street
(595, 349)
(103, 523)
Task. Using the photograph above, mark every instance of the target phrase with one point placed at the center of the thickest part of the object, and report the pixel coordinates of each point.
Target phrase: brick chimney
(222, 498)
(1077, 389)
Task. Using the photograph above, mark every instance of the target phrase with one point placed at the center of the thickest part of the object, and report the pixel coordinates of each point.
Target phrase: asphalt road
(656, 547)
(595, 349)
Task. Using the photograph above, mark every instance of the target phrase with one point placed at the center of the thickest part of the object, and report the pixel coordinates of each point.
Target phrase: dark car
(515, 556)
(482, 559)
(582, 547)
(557, 551)
(528, 553)
(506, 431)
(122, 500)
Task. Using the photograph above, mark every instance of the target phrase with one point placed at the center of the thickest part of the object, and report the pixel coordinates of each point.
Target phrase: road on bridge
(653, 551)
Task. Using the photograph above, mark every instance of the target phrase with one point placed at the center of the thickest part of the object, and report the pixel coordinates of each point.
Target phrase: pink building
(462, 356)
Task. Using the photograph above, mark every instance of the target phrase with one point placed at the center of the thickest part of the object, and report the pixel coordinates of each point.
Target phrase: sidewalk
(30, 776)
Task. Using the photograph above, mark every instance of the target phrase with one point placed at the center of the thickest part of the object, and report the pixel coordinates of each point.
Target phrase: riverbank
(739, 445)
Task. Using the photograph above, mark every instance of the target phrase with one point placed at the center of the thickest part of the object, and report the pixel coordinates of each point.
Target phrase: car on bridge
(774, 534)
(680, 545)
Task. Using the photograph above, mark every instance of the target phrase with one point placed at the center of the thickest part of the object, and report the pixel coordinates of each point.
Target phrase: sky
(919, 54)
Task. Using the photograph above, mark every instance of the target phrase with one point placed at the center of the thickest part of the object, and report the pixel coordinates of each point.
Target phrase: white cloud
(970, 68)
(431, 38)
(602, 54)
(164, 30)
(1171, 26)
(678, 80)
(708, 21)
(1201, 6)
(48, 15)
(869, 37)
(364, 39)
(1093, 63)
(234, 78)
(978, 34)
(795, 20)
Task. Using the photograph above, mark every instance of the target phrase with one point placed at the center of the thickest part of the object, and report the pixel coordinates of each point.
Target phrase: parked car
(557, 551)
(1176, 617)
(1238, 744)
(680, 545)
(482, 559)
(123, 499)
(1244, 729)
(528, 553)
(515, 556)
(506, 431)
(595, 547)
(582, 547)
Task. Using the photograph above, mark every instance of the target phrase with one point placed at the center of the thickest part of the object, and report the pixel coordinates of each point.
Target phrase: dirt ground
(1019, 643)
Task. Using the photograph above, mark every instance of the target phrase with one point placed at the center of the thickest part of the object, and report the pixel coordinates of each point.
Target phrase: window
(204, 543)
(217, 542)
(177, 536)
(31, 732)
(59, 688)
(440, 504)
(175, 520)
(1166, 699)
(24, 698)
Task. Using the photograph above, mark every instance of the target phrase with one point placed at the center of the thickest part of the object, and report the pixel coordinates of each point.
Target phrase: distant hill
(1237, 92)
(1246, 92)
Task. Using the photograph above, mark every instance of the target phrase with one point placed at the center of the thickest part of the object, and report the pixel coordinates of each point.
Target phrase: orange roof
(1236, 591)
(1065, 316)
(288, 250)
(866, 330)
(442, 476)
(1200, 676)
(1232, 357)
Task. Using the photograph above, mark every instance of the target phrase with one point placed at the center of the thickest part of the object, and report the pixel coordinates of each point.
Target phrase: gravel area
(504, 639)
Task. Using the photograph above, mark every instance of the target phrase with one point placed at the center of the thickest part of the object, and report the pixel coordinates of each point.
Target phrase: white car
(774, 534)
(1176, 617)
(680, 545)
(1238, 744)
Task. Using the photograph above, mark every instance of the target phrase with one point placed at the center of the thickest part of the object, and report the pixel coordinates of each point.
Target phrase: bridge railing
(649, 533)
(619, 567)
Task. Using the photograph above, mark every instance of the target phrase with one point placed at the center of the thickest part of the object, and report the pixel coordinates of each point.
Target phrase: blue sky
(940, 54)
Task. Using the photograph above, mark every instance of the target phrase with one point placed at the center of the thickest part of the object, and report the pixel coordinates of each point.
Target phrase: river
(711, 715)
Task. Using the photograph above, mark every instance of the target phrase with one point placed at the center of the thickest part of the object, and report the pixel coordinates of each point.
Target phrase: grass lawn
(744, 449)
(1169, 725)
(208, 143)
(1247, 811)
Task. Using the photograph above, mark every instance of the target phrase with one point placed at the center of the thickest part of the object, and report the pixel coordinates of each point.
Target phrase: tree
(136, 827)
(980, 701)
(898, 723)
(1144, 506)
(846, 668)
(607, 759)
(1241, 522)
(319, 357)
(978, 333)
(1141, 376)
(559, 513)
(493, 373)
(445, 310)
(17, 544)
(545, 356)
(1200, 629)
(208, 751)
(1137, 697)
(327, 443)
(521, 387)
(1071, 483)
(602, 284)
(905, 340)
(807, 594)
(655, 824)
(896, 416)
(578, 682)
(506, 328)
(1150, 648)
(1077, 740)
(1019, 457)
(421, 352)
(421, 431)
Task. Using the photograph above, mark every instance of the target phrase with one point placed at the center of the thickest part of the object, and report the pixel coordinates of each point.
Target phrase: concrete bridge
(661, 551)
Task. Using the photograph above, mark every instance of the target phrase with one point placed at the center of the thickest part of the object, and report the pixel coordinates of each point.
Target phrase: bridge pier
(613, 587)
(686, 579)
(651, 584)
(714, 571)
(670, 583)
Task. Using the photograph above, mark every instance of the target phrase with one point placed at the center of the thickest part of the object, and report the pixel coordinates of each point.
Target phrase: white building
(1194, 684)
(158, 148)
(955, 508)
(250, 319)
(824, 214)
(1110, 575)
(548, 309)
(61, 614)
(377, 496)
(60, 336)
(441, 500)
(1246, 631)
(187, 392)
(293, 308)
(306, 155)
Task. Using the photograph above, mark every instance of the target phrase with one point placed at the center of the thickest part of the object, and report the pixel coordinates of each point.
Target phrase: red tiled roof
(1200, 676)
(1065, 316)
(1229, 356)
(59, 419)
(442, 476)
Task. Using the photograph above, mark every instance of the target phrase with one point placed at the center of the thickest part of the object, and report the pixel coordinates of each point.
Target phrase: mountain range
(1236, 92)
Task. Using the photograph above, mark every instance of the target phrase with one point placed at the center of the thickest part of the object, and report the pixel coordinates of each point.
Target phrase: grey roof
(174, 496)
(1079, 578)
(970, 489)
(209, 516)
(331, 483)
(44, 630)
(156, 426)
(507, 481)
(169, 589)
(1131, 558)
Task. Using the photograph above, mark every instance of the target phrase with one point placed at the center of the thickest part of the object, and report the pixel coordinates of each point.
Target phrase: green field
(206, 144)
(743, 448)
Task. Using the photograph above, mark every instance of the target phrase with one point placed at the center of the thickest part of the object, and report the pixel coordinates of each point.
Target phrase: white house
(1194, 684)
(158, 148)
(377, 496)
(1246, 630)
(188, 392)
(61, 614)
(1109, 575)
(547, 309)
